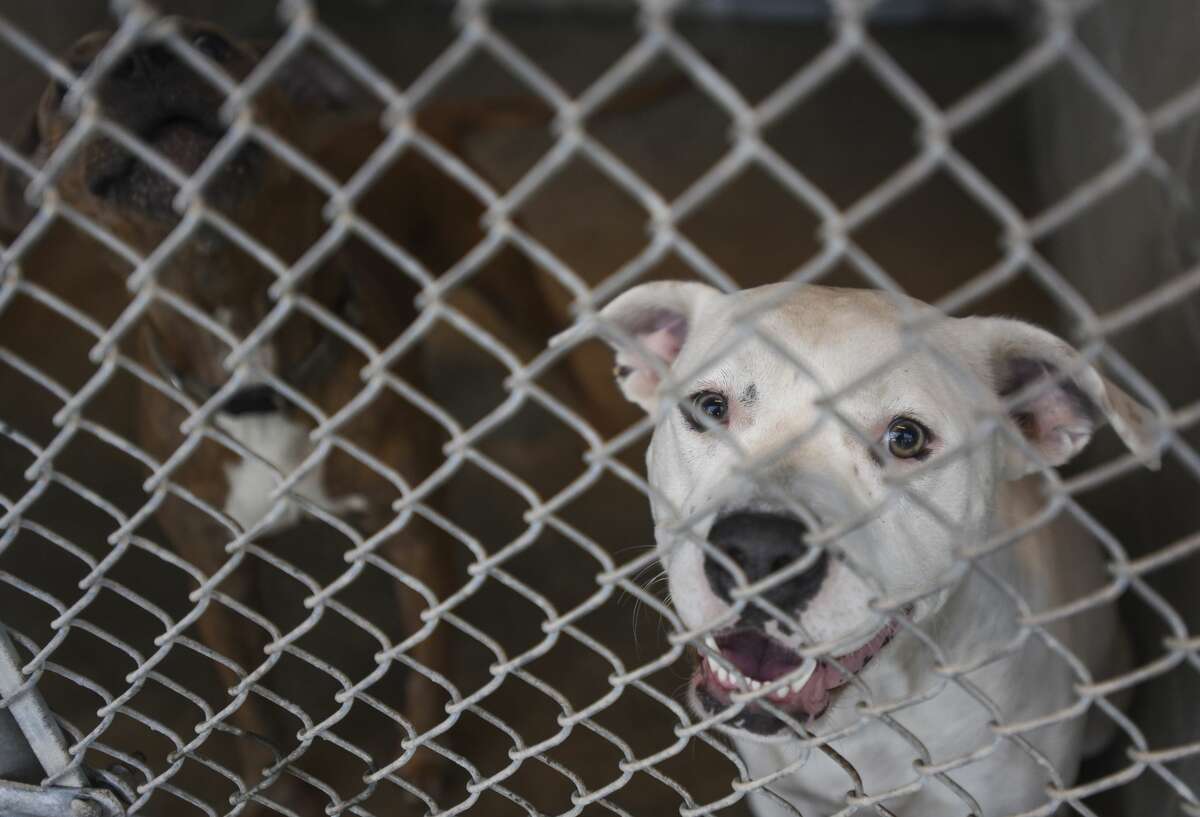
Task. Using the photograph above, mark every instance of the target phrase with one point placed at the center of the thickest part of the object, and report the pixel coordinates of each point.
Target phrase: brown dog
(211, 294)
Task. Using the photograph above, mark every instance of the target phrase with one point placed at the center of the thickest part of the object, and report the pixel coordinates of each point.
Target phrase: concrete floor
(847, 138)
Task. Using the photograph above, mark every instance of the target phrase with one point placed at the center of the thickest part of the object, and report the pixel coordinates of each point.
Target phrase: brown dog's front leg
(422, 551)
(201, 540)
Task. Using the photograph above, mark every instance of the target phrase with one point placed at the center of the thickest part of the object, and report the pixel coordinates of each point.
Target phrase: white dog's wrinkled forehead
(824, 337)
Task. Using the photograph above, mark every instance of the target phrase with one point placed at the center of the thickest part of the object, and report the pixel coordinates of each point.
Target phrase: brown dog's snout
(155, 93)
(144, 63)
(151, 82)
(152, 64)
(148, 61)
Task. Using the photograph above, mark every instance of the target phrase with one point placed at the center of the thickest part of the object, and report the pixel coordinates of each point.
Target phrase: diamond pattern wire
(80, 615)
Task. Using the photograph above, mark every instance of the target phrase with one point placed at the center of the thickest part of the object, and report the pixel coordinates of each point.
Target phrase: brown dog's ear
(312, 81)
(1061, 400)
(648, 327)
(15, 212)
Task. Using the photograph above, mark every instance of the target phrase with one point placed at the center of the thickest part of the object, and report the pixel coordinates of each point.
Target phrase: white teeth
(723, 676)
(732, 679)
(711, 643)
(810, 666)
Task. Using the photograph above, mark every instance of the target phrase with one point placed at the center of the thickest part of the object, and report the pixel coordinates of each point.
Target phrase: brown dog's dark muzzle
(174, 110)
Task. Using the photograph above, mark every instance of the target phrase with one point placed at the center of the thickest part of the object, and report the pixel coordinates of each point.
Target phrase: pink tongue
(814, 695)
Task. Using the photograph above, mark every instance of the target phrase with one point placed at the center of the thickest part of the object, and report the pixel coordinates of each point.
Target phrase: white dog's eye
(907, 439)
(708, 404)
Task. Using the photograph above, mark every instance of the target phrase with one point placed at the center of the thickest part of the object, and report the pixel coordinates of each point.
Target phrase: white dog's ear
(1065, 399)
(648, 326)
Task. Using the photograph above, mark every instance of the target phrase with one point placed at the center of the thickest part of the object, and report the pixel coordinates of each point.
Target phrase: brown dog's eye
(907, 439)
(214, 46)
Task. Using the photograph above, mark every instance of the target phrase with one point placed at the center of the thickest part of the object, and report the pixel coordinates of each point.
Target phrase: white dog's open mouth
(753, 660)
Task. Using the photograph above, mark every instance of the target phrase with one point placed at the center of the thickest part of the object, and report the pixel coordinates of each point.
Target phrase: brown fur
(414, 205)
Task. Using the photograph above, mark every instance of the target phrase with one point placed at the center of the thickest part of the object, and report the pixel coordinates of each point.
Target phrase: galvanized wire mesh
(158, 771)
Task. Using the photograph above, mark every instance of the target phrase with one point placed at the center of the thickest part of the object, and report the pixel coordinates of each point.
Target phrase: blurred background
(1056, 135)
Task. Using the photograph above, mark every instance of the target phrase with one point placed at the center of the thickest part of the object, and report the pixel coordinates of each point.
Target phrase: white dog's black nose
(762, 544)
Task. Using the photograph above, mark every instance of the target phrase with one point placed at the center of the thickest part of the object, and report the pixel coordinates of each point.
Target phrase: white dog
(912, 600)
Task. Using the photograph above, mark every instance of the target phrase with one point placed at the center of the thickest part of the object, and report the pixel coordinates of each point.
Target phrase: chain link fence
(399, 599)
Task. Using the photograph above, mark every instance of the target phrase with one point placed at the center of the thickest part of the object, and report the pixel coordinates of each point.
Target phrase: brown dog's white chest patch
(283, 445)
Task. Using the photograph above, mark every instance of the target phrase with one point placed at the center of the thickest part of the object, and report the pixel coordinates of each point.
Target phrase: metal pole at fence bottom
(33, 748)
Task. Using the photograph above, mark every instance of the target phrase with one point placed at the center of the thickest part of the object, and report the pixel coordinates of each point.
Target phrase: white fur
(284, 444)
(901, 549)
